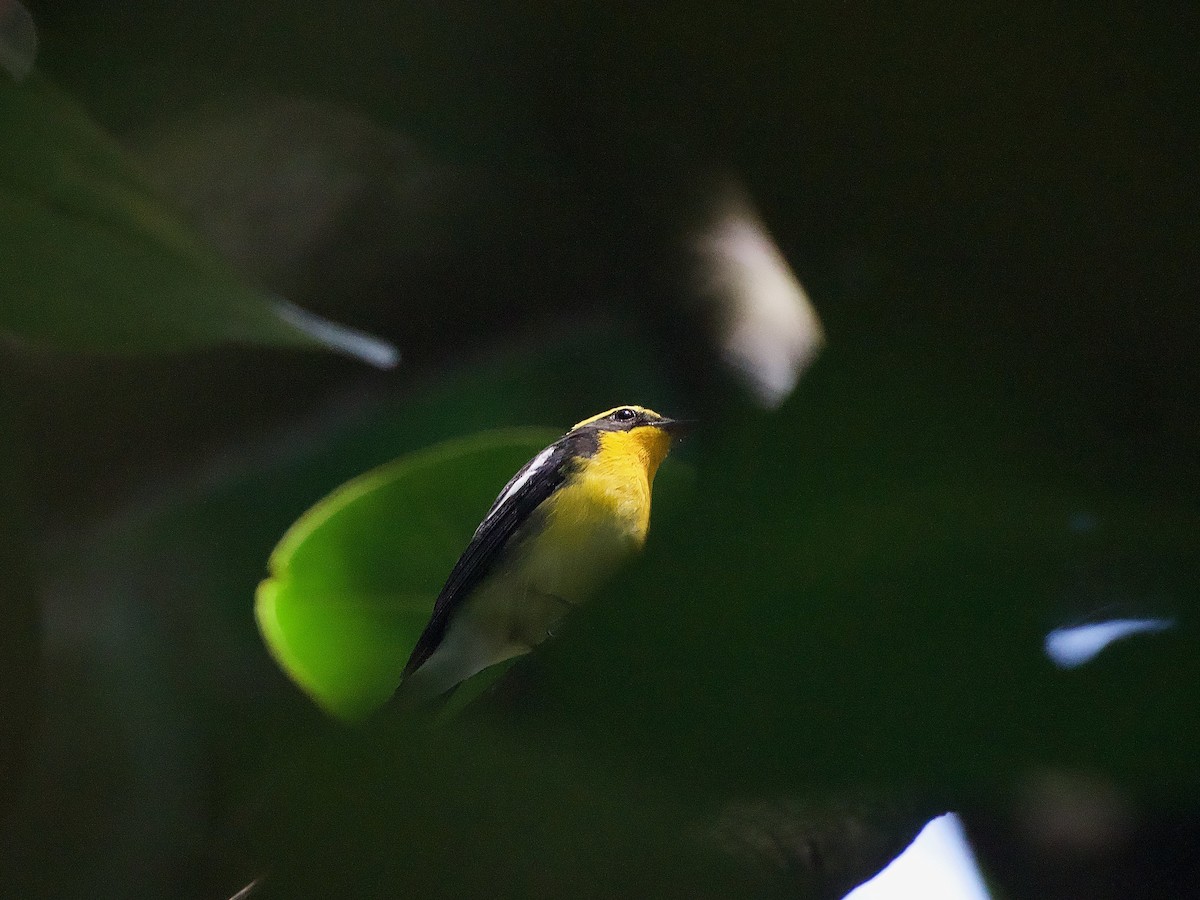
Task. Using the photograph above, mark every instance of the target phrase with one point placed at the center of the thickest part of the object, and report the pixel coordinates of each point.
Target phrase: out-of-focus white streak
(767, 329)
(938, 865)
(1072, 647)
(341, 338)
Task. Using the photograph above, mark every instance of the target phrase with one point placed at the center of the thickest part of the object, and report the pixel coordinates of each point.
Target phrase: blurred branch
(824, 849)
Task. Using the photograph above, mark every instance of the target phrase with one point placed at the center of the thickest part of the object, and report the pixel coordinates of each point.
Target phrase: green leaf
(354, 579)
(93, 259)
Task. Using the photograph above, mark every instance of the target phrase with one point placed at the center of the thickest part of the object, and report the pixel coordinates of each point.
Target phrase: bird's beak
(676, 427)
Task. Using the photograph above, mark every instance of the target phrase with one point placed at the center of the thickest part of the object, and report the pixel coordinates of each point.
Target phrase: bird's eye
(625, 414)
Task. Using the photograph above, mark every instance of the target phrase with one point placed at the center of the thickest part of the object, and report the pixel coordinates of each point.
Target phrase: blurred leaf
(392, 811)
(860, 596)
(354, 580)
(94, 260)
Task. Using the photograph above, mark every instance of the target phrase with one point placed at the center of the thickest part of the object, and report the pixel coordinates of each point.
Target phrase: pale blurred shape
(1074, 646)
(767, 329)
(18, 39)
(1065, 812)
(938, 865)
(340, 338)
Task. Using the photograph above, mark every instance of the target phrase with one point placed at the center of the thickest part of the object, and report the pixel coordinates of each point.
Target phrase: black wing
(524, 493)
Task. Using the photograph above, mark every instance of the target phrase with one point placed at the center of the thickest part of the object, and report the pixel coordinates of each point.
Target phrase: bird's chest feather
(597, 519)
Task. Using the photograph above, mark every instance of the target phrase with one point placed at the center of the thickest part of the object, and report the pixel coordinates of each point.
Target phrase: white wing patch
(534, 466)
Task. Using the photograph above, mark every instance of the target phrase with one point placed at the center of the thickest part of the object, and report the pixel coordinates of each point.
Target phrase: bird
(560, 527)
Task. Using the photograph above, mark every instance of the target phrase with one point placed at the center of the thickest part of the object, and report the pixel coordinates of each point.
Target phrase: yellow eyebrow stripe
(609, 412)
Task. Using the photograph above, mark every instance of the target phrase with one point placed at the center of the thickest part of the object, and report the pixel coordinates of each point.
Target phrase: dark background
(994, 210)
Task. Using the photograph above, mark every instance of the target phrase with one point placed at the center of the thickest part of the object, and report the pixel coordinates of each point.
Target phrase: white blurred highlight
(767, 331)
(938, 865)
(341, 338)
(1072, 647)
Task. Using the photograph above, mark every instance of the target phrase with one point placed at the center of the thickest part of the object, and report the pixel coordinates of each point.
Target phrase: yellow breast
(599, 517)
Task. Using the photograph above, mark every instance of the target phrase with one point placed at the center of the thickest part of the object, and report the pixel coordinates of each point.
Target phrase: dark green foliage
(837, 627)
